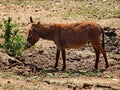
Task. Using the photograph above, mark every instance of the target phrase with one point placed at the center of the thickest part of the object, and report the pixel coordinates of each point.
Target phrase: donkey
(74, 35)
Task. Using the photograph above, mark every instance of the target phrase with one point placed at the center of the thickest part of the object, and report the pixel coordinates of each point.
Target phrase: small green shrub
(13, 41)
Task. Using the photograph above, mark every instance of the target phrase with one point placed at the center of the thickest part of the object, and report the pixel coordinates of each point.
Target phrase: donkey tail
(103, 41)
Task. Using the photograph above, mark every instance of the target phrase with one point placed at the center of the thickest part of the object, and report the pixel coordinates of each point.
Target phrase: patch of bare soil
(40, 59)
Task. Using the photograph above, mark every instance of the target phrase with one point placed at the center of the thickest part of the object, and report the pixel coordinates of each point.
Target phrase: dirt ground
(34, 70)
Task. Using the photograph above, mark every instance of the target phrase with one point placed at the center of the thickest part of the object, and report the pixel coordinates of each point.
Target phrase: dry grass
(73, 9)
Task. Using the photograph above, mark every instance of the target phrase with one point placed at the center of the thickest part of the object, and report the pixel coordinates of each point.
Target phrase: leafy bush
(13, 41)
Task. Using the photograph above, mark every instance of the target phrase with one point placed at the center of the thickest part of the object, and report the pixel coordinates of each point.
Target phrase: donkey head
(33, 35)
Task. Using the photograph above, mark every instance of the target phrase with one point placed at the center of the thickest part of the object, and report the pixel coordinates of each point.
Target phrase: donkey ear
(31, 20)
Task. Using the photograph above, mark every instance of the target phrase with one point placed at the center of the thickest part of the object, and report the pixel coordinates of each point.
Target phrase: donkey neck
(46, 32)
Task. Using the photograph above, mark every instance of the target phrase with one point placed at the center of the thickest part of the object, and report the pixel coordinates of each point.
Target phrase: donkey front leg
(57, 57)
(64, 59)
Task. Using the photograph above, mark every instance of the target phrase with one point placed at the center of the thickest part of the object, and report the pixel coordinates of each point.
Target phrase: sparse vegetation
(8, 75)
(28, 88)
(91, 72)
(69, 82)
(13, 41)
(8, 86)
(39, 79)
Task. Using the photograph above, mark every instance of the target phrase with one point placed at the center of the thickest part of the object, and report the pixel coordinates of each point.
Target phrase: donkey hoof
(55, 68)
(96, 67)
(63, 69)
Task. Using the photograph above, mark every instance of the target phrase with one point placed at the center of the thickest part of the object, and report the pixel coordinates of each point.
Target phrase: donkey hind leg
(102, 50)
(57, 57)
(64, 59)
(97, 53)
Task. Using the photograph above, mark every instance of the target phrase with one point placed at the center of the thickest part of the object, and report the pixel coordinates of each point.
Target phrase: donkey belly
(76, 44)
(72, 39)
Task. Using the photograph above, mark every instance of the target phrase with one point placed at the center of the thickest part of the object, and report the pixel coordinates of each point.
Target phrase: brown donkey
(74, 35)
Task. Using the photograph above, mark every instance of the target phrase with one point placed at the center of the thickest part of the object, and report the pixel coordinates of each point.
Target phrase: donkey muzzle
(28, 45)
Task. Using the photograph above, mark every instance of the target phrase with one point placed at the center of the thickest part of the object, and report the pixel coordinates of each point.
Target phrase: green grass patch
(90, 73)
(7, 75)
(68, 73)
(69, 82)
(39, 79)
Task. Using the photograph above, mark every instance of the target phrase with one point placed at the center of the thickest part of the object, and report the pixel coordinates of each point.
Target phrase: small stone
(30, 55)
(28, 80)
(47, 82)
(70, 86)
(87, 85)
(8, 81)
(41, 51)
